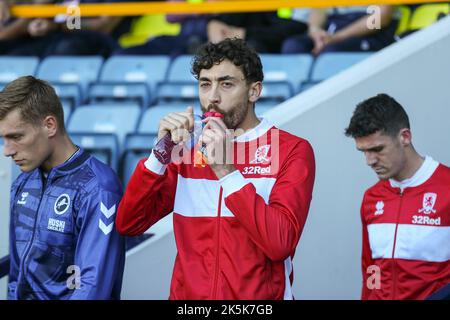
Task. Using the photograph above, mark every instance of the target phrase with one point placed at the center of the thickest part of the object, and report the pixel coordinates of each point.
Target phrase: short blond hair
(34, 98)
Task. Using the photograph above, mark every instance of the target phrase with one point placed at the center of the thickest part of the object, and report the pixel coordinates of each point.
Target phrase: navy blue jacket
(63, 244)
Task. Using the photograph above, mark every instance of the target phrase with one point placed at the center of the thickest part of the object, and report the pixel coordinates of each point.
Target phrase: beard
(232, 118)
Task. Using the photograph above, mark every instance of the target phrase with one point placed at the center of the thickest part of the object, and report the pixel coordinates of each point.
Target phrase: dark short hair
(235, 50)
(379, 113)
(34, 98)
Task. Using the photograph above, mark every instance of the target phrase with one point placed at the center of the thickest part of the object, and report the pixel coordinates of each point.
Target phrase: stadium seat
(180, 70)
(261, 110)
(113, 119)
(177, 92)
(263, 106)
(288, 69)
(137, 147)
(149, 122)
(330, 64)
(130, 78)
(275, 92)
(180, 85)
(12, 67)
(68, 93)
(67, 112)
(68, 72)
(103, 146)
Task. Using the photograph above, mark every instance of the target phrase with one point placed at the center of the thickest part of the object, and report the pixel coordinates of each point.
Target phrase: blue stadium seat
(261, 110)
(181, 85)
(275, 92)
(177, 92)
(119, 93)
(68, 93)
(149, 122)
(288, 69)
(103, 146)
(12, 67)
(130, 78)
(307, 85)
(330, 64)
(113, 119)
(137, 147)
(180, 70)
(263, 106)
(71, 71)
(67, 112)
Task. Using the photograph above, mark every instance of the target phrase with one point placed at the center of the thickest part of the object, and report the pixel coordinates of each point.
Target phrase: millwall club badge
(429, 200)
(62, 204)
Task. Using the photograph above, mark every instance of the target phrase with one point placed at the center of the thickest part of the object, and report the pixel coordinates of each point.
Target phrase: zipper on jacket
(216, 271)
(22, 268)
(394, 263)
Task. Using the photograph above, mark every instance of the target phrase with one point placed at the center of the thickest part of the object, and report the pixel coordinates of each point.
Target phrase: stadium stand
(70, 75)
(129, 78)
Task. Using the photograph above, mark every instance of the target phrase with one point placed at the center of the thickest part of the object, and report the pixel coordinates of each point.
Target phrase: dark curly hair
(235, 50)
(378, 113)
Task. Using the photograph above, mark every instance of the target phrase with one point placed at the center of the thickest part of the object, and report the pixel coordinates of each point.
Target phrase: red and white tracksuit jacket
(236, 237)
(406, 235)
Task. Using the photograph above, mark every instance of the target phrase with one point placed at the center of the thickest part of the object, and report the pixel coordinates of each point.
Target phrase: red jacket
(235, 237)
(406, 235)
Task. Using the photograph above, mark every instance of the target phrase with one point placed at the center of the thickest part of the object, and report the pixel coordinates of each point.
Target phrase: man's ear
(255, 91)
(50, 125)
(405, 137)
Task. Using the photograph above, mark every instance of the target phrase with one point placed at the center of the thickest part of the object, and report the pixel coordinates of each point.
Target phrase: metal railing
(141, 8)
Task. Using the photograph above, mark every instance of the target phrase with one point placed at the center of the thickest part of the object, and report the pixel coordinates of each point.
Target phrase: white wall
(148, 268)
(416, 72)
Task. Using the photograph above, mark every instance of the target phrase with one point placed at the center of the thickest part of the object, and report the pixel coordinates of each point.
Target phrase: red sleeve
(276, 227)
(148, 198)
(366, 256)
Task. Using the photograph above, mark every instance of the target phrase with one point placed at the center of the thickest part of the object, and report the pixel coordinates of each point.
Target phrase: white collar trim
(424, 173)
(255, 132)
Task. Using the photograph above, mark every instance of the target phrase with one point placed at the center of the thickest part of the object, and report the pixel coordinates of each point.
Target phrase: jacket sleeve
(366, 256)
(275, 227)
(100, 250)
(149, 196)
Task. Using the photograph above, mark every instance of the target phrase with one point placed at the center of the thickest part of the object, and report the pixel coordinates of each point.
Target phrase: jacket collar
(424, 173)
(75, 161)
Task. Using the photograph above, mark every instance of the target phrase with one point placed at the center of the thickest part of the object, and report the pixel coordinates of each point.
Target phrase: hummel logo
(108, 213)
(23, 198)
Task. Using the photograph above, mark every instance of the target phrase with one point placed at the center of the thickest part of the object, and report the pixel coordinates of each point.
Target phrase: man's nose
(8, 149)
(214, 95)
(371, 158)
